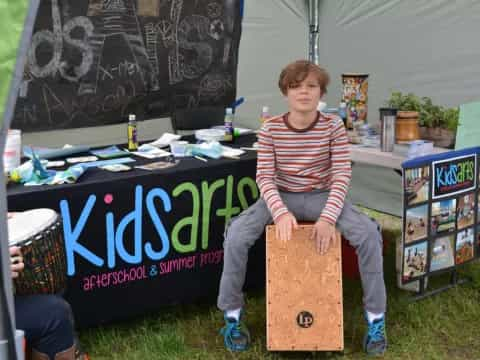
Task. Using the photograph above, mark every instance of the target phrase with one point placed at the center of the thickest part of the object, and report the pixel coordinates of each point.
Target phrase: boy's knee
(58, 309)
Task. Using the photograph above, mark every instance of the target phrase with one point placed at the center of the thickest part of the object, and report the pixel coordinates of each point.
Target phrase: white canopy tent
(423, 46)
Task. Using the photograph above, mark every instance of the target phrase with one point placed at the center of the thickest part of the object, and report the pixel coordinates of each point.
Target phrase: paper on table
(228, 151)
(468, 131)
(165, 140)
(150, 152)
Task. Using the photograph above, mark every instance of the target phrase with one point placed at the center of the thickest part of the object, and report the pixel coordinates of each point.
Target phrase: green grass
(441, 327)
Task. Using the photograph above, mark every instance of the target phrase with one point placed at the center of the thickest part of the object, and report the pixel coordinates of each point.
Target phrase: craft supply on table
(214, 134)
(81, 159)
(200, 158)
(50, 153)
(150, 152)
(53, 164)
(179, 148)
(116, 167)
(165, 140)
(122, 160)
(109, 152)
(132, 133)
(159, 165)
(228, 123)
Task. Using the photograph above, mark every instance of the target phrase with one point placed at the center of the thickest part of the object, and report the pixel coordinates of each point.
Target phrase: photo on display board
(478, 208)
(464, 246)
(465, 210)
(416, 223)
(414, 261)
(441, 253)
(477, 243)
(443, 216)
(417, 184)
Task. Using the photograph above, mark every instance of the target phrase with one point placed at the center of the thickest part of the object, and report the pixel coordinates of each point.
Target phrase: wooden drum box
(304, 294)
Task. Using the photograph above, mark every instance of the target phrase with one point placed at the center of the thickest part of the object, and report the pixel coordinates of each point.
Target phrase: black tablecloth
(138, 240)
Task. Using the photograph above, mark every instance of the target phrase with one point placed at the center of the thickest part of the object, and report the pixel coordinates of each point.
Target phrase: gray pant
(361, 231)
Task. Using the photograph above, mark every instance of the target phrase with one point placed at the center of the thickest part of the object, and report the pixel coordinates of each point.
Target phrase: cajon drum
(304, 294)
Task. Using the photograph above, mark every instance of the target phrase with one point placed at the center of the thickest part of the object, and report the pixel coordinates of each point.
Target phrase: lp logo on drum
(304, 319)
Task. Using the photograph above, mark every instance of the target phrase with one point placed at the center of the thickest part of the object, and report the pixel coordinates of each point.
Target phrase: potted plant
(407, 125)
(437, 123)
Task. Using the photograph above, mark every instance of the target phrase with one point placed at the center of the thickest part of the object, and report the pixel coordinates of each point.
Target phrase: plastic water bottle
(132, 133)
(264, 116)
(228, 123)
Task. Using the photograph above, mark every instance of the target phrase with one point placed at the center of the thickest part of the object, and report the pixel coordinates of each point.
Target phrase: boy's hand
(16, 260)
(324, 235)
(284, 226)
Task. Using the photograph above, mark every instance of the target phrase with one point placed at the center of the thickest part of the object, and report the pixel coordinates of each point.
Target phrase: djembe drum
(304, 293)
(39, 234)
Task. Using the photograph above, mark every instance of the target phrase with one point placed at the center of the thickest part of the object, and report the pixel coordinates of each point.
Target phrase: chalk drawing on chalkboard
(214, 86)
(229, 23)
(174, 72)
(192, 33)
(216, 29)
(74, 73)
(151, 34)
(120, 17)
(114, 5)
(165, 28)
(53, 39)
(52, 103)
(214, 10)
(89, 62)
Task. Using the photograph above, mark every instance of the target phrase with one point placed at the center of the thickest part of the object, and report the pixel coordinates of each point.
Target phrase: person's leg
(240, 235)
(363, 234)
(47, 325)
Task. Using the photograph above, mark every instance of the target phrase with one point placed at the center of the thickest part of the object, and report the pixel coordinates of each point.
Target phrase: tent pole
(313, 15)
(7, 318)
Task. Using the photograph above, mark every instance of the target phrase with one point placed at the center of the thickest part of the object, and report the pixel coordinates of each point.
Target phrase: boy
(303, 173)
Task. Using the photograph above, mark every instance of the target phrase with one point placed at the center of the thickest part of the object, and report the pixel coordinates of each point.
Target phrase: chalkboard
(91, 62)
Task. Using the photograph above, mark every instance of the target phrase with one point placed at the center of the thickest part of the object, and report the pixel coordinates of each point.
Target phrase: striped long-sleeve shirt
(294, 160)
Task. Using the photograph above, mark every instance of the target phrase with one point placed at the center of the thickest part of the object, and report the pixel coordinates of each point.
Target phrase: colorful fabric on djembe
(39, 235)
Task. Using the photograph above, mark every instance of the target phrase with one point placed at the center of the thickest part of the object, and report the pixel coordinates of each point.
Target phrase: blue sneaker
(375, 341)
(235, 335)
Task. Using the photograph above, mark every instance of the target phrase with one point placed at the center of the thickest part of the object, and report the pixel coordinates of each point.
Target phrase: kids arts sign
(441, 217)
(452, 176)
(153, 206)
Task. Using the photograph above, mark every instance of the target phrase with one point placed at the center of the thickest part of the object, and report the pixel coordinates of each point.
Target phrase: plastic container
(132, 133)
(228, 123)
(178, 148)
(13, 150)
(264, 116)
